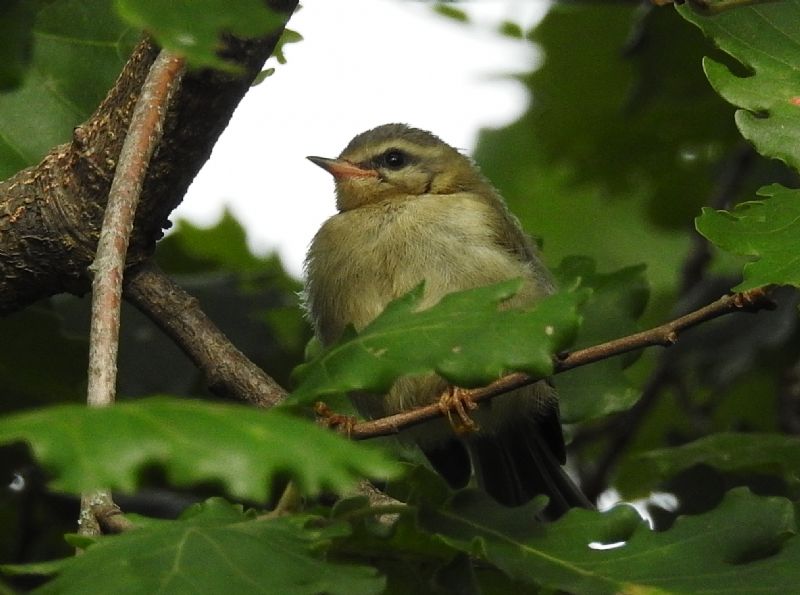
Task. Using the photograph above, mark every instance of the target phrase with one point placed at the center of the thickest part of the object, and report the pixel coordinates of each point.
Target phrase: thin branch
(143, 136)
(664, 335)
(228, 372)
(141, 140)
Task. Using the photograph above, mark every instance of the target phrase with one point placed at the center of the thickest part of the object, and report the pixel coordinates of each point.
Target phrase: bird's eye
(394, 159)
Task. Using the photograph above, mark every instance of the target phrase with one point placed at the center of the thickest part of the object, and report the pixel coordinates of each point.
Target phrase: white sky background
(362, 63)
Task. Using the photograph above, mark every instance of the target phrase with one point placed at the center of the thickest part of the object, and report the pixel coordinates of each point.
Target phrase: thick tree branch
(665, 335)
(50, 214)
(228, 372)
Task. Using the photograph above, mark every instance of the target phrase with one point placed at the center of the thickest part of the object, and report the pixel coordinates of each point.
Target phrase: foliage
(764, 230)
(623, 143)
(78, 49)
(466, 340)
(214, 548)
(193, 28)
(250, 448)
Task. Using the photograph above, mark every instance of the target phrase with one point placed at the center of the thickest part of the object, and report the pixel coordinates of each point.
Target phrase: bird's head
(397, 162)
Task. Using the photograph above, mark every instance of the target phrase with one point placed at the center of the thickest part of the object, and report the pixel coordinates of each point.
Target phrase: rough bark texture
(50, 214)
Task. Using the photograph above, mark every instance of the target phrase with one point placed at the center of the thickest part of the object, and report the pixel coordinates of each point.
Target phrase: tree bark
(50, 214)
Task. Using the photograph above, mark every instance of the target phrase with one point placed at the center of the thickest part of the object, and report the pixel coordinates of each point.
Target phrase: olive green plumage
(412, 209)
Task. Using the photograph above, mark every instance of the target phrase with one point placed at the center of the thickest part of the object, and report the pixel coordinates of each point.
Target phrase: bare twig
(142, 138)
(228, 372)
(665, 335)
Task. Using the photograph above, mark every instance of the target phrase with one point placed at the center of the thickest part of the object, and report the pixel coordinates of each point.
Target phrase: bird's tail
(524, 461)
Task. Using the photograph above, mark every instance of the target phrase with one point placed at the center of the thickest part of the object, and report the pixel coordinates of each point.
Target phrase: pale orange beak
(341, 169)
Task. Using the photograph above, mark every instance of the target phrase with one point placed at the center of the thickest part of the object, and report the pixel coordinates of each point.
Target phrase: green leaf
(464, 338)
(616, 302)
(767, 231)
(451, 12)
(718, 6)
(766, 39)
(288, 36)
(216, 548)
(31, 337)
(79, 48)
(730, 452)
(219, 247)
(194, 442)
(746, 545)
(192, 28)
(604, 93)
(16, 24)
(511, 29)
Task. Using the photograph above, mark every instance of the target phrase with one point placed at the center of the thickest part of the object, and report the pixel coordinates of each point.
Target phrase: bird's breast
(362, 259)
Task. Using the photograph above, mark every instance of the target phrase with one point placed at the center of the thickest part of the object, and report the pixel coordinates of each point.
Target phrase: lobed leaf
(766, 40)
(465, 338)
(768, 231)
(241, 447)
(215, 548)
(740, 453)
(79, 47)
(194, 28)
(617, 301)
(746, 545)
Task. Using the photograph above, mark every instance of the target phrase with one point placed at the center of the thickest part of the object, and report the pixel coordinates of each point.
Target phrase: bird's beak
(341, 169)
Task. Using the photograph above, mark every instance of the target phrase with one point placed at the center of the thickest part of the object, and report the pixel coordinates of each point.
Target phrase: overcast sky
(362, 63)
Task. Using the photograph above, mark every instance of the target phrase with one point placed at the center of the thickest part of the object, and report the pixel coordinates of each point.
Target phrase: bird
(413, 209)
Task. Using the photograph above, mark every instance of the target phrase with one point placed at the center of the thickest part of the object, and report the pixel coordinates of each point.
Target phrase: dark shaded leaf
(215, 548)
(615, 304)
(747, 544)
(751, 453)
(79, 48)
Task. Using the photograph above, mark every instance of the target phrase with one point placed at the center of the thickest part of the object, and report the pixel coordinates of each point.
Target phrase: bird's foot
(336, 421)
(456, 404)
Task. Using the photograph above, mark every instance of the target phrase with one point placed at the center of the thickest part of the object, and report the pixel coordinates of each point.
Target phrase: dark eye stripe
(393, 158)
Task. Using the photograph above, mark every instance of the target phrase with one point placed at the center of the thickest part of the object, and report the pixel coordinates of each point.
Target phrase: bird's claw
(336, 421)
(456, 400)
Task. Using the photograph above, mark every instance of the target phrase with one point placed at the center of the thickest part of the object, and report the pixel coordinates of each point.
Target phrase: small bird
(412, 209)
